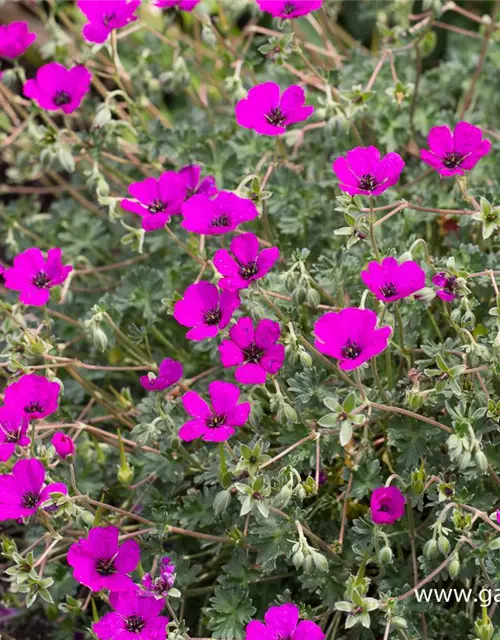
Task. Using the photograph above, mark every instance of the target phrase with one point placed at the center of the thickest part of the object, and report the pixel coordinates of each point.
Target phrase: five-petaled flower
(268, 112)
(350, 336)
(289, 9)
(455, 153)
(35, 395)
(134, 617)
(159, 199)
(15, 38)
(283, 622)
(34, 276)
(182, 5)
(244, 264)
(169, 372)
(222, 214)
(105, 15)
(362, 171)
(207, 186)
(22, 492)
(206, 309)
(390, 281)
(63, 444)
(387, 505)
(216, 423)
(447, 284)
(13, 428)
(99, 562)
(56, 87)
(253, 351)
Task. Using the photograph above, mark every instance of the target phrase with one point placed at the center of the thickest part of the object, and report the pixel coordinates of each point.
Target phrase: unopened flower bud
(431, 549)
(385, 555)
(481, 461)
(454, 567)
(63, 444)
(444, 545)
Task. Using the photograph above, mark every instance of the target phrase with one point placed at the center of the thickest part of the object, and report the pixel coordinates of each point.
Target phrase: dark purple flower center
(61, 97)
(248, 270)
(276, 117)
(29, 500)
(213, 317)
(33, 407)
(215, 420)
(105, 566)
(157, 205)
(452, 160)
(41, 280)
(12, 436)
(351, 350)
(388, 290)
(288, 8)
(385, 508)
(253, 353)
(222, 221)
(450, 284)
(107, 17)
(367, 182)
(134, 624)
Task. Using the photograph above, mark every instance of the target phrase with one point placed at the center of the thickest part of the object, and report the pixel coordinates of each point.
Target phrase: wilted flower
(448, 286)
(99, 562)
(63, 444)
(391, 281)
(183, 5)
(159, 199)
(205, 309)
(283, 622)
(13, 428)
(362, 171)
(134, 616)
(454, 153)
(212, 217)
(170, 372)
(268, 112)
(350, 336)
(387, 505)
(216, 423)
(15, 38)
(161, 585)
(35, 395)
(244, 264)
(194, 184)
(56, 87)
(22, 492)
(106, 15)
(288, 9)
(254, 352)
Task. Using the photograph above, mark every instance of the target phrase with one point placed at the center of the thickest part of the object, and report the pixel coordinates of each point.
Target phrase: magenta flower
(289, 9)
(454, 153)
(135, 617)
(13, 427)
(183, 5)
(244, 264)
(34, 276)
(15, 38)
(362, 171)
(283, 622)
(169, 373)
(205, 309)
(22, 492)
(448, 286)
(106, 15)
(35, 395)
(56, 87)
(218, 216)
(268, 112)
(63, 444)
(391, 281)
(99, 562)
(160, 586)
(254, 352)
(216, 423)
(350, 336)
(195, 185)
(387, 505)
(159, 199)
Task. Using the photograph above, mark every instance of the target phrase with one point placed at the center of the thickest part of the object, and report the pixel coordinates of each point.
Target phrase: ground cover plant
(250, 319)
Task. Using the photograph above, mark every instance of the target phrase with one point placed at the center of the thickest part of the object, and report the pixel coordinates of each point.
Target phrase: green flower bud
(444, 545)
(454, 567)
(481, 461)
(385, 556)
(431, 549)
